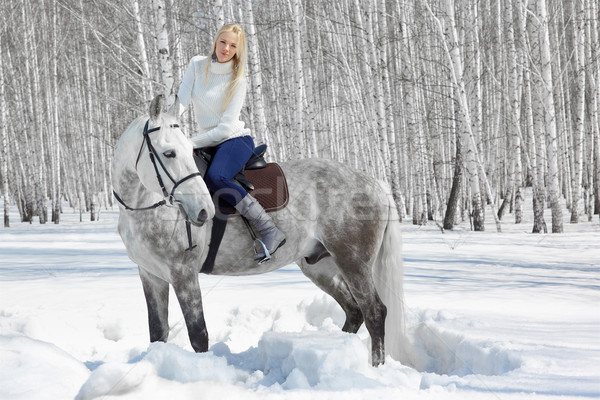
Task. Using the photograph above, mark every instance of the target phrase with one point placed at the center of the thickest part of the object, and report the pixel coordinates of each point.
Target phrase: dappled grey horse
(342, 230)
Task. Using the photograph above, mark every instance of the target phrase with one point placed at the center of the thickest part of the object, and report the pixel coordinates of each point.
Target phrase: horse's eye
(169, 154)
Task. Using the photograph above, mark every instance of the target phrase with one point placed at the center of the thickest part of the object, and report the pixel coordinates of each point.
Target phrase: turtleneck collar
(221, 68)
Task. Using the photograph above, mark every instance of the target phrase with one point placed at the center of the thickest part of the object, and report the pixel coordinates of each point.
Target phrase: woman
(216, 86)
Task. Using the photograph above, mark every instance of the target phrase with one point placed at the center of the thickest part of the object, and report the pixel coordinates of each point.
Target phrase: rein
(168, 197)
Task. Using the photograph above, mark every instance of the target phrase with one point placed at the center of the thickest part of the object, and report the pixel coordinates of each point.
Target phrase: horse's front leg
(156, 291)
(188, 293)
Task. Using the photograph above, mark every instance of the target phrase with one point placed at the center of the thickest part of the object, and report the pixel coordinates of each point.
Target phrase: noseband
(168, 197)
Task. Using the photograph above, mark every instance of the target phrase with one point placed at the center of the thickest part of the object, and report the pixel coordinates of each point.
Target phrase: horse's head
(165, 165)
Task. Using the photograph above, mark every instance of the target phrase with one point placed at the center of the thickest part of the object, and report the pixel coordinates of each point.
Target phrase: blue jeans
(229, 159)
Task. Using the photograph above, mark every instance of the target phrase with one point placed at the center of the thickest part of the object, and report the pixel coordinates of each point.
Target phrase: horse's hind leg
(362, 287)
(189, 296)
(355, 264)
(156, 292)
(326, 275)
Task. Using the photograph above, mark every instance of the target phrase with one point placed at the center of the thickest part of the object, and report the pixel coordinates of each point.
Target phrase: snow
(489, 315)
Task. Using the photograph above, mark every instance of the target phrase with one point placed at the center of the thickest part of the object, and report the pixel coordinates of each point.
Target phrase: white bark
(549, 114)
(388, 102)
(164, 54)
(143, 58)
(514, 94)
(380, 115)
(593, 44)
(220, 13)
(33, 100)
(89, 132)
(299, 80)
(56, 145)
(4, 146)
(578, 135)
(258, 107)
(309, 98)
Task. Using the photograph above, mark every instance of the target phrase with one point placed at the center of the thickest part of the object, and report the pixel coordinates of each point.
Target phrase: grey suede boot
(272, 237)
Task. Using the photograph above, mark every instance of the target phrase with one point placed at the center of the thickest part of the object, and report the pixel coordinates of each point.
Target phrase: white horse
(342, 230)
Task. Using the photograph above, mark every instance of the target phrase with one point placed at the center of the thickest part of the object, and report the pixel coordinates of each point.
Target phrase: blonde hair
(239, 60)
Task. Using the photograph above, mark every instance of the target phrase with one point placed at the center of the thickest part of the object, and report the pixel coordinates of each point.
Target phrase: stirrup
(267, 256)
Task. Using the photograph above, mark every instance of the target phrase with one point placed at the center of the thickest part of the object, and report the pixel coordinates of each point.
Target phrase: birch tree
(260, 120)
(388, 101)
(4, 148)
(299, 133)
(56, 145)
(579, 35)
(593, 51)
(143, 58)
(514, 90)
(89, 131)
(34, 112)
(164, 53)
(546, 99)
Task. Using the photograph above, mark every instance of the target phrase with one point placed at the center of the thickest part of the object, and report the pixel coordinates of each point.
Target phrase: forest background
(458, 104)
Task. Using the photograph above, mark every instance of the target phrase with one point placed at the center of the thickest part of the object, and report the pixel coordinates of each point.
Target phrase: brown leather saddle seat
(266, 182)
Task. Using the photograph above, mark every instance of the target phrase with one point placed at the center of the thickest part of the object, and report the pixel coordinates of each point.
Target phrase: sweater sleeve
(187, 84)
(229, 124)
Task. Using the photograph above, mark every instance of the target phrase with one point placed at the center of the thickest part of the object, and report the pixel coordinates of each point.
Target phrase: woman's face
(226, 46)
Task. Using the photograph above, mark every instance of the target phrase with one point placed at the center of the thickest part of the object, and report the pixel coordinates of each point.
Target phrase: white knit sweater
(207, 94)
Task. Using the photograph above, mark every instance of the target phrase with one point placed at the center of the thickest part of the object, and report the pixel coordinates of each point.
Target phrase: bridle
(169, 198)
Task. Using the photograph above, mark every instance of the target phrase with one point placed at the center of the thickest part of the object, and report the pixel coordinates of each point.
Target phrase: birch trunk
(593, 44)
(105, 139)
(298, 14)
(4, 145)
(258, 107)
(143, 58)
(454, 200)
(309, 98)
(56, 145)
(32, 72)
(89, 133)
(220, 13)
(578, 136)
(22, 155)
(164, 54)
(377, 94)
(535, 138)
(549, 115)
(388, 103)
(537, 149)
(514, 95)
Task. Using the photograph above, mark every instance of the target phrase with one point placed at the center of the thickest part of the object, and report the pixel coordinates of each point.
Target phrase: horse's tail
(388, 274)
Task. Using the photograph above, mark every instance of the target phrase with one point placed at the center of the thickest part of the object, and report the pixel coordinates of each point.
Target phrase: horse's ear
(156, 106)
(174, 109)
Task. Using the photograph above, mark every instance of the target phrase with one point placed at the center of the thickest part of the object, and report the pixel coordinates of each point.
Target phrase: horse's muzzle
(202, 217)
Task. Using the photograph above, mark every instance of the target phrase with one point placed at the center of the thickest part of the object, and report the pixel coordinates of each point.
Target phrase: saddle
(264, 181)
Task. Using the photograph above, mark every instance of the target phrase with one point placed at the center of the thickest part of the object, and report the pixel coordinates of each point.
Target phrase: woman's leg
(229, 159)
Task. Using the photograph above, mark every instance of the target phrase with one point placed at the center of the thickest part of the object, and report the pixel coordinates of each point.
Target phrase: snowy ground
(489, 316)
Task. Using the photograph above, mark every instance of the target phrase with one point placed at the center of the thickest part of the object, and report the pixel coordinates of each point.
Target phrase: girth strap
(216, 236)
